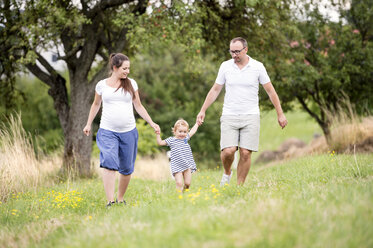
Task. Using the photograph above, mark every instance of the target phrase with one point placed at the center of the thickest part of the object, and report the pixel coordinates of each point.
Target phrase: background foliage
(176, 49)
(329, 63)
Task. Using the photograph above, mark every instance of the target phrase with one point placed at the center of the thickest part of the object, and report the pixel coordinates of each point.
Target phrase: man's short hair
(240, 39)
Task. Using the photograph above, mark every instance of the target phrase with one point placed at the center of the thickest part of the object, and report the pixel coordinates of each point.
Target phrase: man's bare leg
(243, 166)
(227, 158)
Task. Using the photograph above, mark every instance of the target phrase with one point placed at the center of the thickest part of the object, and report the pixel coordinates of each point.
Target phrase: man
(240, 120)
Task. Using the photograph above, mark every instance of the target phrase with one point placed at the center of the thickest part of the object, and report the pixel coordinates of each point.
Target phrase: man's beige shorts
(240, 130)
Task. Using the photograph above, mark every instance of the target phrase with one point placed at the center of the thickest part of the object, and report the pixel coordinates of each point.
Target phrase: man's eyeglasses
(236, 51)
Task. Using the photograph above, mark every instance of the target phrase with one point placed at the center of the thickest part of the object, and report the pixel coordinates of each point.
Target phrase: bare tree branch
(88, 53)
(101, 74)
(57, 91)
(47, 66)
(314, 97)
(84, 6)
(140, 7)
(103, 55)
(39, 73)
(70, 53)
(304, 105)
(105, 4)
(120, 42)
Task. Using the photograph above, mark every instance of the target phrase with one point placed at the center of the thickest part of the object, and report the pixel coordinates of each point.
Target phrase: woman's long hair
(116, 59)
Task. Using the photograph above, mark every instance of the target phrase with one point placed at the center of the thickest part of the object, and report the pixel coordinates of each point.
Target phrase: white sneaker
(226, 179)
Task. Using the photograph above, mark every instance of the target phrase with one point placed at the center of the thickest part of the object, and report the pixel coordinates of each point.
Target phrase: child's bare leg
(179, 181)
(187, 178)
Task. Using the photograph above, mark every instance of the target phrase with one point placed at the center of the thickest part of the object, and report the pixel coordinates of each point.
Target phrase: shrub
(147, 144)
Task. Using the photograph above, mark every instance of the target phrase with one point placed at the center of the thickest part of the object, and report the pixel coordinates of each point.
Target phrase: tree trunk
(326, 130)
(78, 147)
(81, 44)
(59, 94)
(322, 120)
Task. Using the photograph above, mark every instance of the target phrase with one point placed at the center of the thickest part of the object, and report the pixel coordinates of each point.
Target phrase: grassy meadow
(300, 126)
(314, 201)
(322, 201)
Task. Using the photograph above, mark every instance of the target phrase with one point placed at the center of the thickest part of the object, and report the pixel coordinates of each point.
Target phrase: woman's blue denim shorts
(117, 150)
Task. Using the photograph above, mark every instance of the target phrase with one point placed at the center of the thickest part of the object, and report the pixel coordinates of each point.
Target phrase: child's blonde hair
(178, 123)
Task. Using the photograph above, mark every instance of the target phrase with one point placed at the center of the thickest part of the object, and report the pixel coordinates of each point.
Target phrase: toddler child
(182, 162)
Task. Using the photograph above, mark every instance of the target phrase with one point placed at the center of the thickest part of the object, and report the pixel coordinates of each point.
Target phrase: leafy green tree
(179, 71)
(329, 62)
(180, 46)
(11, 47)
(360, 16)
(82, 34)
(265, 25)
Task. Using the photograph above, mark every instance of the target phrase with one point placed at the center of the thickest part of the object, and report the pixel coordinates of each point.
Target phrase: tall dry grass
(345, 133)
(348, 128)
(20, 169)
(155, 168)
(348, 131)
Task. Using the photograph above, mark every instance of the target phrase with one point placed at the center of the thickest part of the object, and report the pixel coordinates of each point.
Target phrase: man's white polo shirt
(241, 86)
